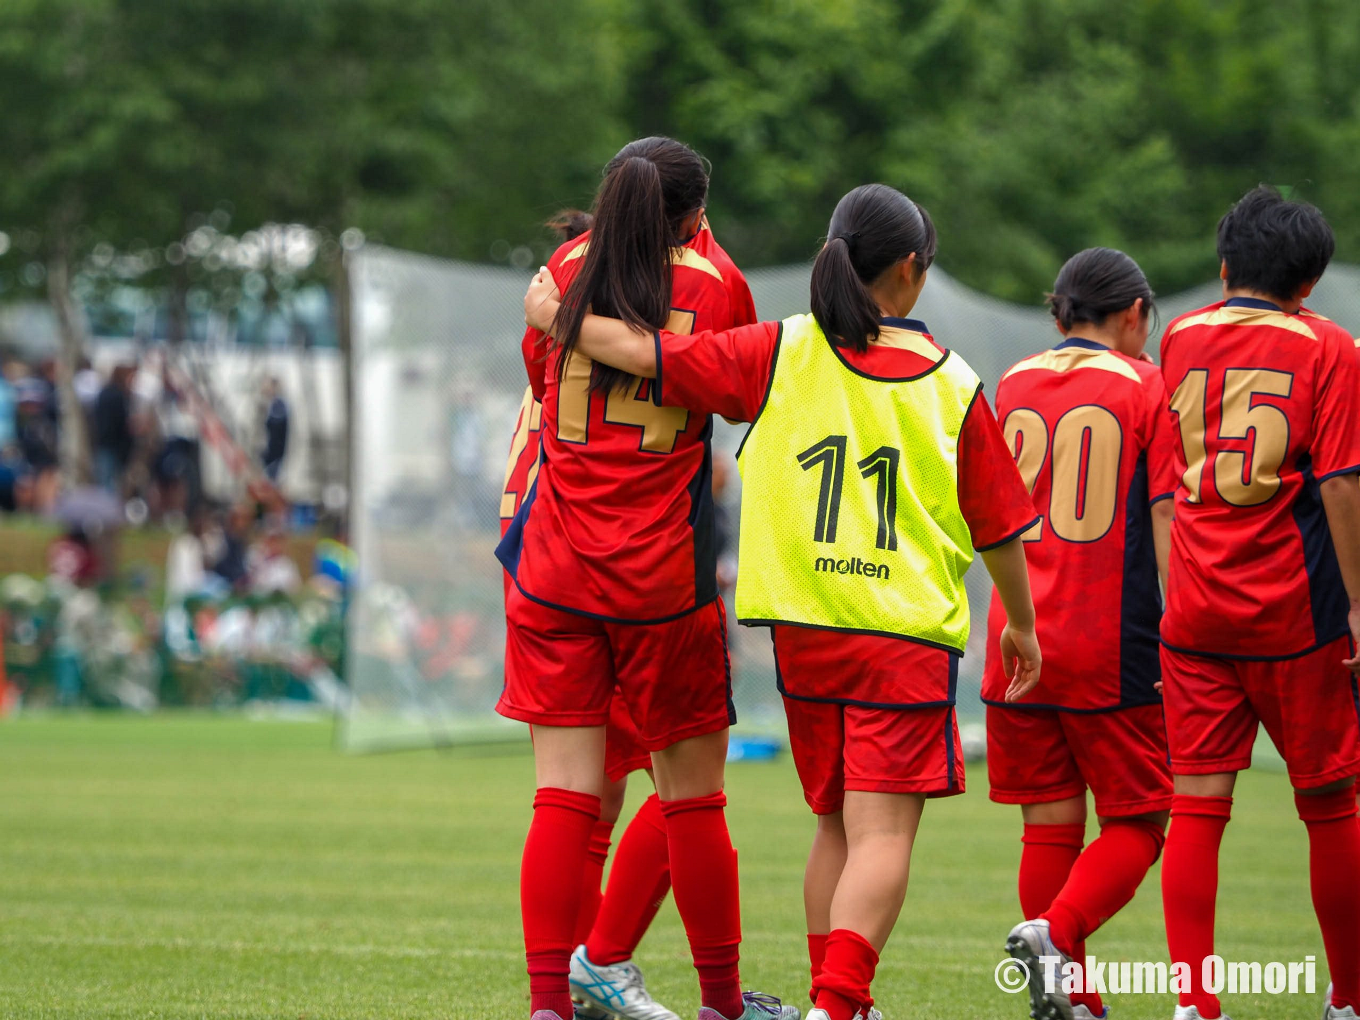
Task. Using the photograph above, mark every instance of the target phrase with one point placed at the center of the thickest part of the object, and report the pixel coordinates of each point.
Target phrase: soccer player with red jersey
(853, 550)
(606, 983)
(1087, 423)
(1263, 595)
(612, 557)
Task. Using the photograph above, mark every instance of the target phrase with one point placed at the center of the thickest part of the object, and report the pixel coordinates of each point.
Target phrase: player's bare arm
(1341, 500)
(1020, 653)
(1163, 513)
(609, 341)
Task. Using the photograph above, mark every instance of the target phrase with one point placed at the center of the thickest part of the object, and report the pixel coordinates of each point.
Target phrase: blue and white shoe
(759, 1006)
(613, 991)
(1339, 1013)
(1027, 942)
(1081, 1012)
(1192, 1013)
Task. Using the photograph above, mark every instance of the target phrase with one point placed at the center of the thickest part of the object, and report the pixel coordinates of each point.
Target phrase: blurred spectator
(113, 436)
(74, 558)
(272, 570)
(186, 564)
(176, 468)
(87, 384)
(275, 430)
(9, 407)
(37, 441)
(226, 547)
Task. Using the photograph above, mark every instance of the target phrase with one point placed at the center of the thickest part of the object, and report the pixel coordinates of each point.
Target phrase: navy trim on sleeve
(1164, 495)
(656, 383)
(1011, 537)
(1352, 470)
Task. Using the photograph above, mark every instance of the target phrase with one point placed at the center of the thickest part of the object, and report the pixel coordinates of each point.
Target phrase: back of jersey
(1087, 427)
(1266, 405)
(619, 521)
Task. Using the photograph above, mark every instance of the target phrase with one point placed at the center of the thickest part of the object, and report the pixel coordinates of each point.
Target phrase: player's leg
(1308, 708)
(555, 664)
(676, 681)
(817, 741)
(623, 755)
(880, 829)
(1211, 728)
(597, 854)
(893, 760)
(1122, 757)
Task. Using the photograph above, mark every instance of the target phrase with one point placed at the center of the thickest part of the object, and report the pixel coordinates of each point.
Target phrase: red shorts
(561, 669)
(623, 750)
(1037, 756)
(874, 750)
(1308, 705)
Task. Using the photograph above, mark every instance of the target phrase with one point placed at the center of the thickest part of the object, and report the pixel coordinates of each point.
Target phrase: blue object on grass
(754, 748)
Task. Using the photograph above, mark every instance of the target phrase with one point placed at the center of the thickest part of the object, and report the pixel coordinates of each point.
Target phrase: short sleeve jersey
(729, 373)
(1265, 405)
(1088, 429)
(618, 524)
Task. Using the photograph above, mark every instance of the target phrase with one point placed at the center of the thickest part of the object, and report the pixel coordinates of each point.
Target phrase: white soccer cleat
(1333, 1013)
(1192, 1013)
(759, 1006)
(1082, 1012)
(613, 991)
(1027, 942)
(874, 1014)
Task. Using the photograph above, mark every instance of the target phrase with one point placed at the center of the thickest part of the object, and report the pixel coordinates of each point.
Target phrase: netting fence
(439, 380)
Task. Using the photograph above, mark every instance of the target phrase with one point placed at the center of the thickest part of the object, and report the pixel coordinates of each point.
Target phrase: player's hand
(1021, 659)
(1353, 663)
(541, 301)
(1145, 356)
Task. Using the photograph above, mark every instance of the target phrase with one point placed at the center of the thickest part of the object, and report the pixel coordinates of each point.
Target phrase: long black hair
(873, 228)
(650, 188)
(1095, 283)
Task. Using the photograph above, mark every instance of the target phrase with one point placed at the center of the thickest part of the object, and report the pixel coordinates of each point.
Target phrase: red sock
(1091, 1000)
(1049, 853)
(842, 987)
(1105, 877)
(1190, 888)
(1334, 863)
(638, 884)
(550, 891)
(704, 876)
(597, 853)
(816, 956)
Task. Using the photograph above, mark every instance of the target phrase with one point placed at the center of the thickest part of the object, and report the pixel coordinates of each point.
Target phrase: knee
(611, 802)
(1331, 803)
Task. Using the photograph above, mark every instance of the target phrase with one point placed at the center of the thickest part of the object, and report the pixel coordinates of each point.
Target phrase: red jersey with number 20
(1088, 429)
(1266, 406)
(618, 524)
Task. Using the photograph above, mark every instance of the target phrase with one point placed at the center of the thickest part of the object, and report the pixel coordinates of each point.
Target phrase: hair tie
(848, 237)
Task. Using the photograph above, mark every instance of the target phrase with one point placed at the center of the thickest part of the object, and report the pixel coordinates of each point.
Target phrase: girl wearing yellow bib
(873, 470)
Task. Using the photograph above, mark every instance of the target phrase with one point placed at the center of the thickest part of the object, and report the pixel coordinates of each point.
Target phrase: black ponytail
(569, 224)
(1094, 284)
(649, 189)
(873, 228)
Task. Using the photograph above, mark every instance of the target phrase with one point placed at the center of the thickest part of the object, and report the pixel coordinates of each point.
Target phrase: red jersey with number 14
(1088, 429)
(618, 524)
(1266, 406)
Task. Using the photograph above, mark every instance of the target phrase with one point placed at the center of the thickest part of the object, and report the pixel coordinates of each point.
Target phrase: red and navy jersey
(618, 524)
(521, 467)
(1088, 429)
(1265, 406)
(729, 373)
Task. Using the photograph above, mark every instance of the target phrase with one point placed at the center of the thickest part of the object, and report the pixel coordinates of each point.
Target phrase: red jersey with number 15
(1266, 406)
(618, 524)
(1088, 429)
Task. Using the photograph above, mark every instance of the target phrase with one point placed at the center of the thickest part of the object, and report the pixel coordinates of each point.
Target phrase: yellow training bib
(850, 514)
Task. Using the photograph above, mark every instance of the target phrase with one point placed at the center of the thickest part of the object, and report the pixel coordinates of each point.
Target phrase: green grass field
(193, 866)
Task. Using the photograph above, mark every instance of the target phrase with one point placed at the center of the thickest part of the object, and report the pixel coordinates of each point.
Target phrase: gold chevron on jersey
(1068, 359)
